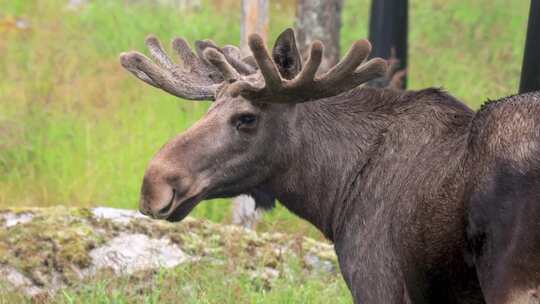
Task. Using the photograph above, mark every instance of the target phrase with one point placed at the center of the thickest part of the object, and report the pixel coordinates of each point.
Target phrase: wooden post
(388, 26)
(319, 20)
(530, 70)
(254, 20)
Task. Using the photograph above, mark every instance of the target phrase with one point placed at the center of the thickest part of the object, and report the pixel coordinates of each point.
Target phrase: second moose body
(388, 176)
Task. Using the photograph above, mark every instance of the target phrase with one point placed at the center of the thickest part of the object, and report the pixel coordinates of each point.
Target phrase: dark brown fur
(386, 184)
(424, 200)
(503, 194)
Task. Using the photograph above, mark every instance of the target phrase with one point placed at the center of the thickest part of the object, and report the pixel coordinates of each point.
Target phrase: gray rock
(129, 253)
(18, 281)
(10, 219)
(121, 216)
(318, 264)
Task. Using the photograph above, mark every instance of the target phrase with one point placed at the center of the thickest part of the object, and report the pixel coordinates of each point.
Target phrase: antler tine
(201, 45)
(372, 69)
(157, 53)
(141, 65)
(307, 85)
(250, 60)
(232, 54)
(307, 74)
(231, 51)
(357, 53)
(184, 52)
(268, 69)
(218, 60)
(126, 62)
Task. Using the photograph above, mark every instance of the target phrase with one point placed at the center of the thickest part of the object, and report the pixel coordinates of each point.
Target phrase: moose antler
(307, 85)
(197, 79)
(204, 72)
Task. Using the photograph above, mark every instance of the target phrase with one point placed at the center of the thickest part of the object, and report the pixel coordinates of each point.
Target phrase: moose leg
(379, 281)
(374, 274)
(390, 288)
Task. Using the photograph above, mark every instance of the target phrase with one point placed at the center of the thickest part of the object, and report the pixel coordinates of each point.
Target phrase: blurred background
(77, 130)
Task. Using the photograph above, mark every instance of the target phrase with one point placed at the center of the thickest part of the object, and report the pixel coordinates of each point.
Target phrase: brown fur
(424, 201)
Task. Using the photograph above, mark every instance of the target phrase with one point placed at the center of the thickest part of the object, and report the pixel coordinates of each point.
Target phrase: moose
(425, 200)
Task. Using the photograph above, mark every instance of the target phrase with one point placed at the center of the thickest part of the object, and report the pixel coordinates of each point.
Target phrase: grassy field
(75, 129)
(200, 284)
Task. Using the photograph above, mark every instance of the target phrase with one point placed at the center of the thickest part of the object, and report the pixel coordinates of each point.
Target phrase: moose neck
(335, 142)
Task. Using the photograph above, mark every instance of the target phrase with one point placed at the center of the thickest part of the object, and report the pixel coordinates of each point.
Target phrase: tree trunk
(388, 25)
(530, 71)
(319, 20)
(254, 20)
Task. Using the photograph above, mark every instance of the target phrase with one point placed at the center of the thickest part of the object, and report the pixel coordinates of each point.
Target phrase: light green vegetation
(229, 264)
(200, 283)
(75, 129)
(57, 238)
(78, 130)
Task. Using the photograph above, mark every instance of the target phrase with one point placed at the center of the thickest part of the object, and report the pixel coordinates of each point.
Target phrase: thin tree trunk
(319, 20)
(254, 20)
(388, 25)
(530, 71)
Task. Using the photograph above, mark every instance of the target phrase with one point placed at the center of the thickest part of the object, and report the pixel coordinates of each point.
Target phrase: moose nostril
(144, 207)
(144, 211)
(165, 210)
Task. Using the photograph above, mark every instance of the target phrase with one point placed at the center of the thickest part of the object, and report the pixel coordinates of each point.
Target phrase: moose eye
(246, 121)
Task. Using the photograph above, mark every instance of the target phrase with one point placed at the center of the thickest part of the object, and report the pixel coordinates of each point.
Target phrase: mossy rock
(56, 247)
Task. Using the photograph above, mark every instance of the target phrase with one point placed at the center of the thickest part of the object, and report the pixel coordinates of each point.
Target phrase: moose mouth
(177, 210)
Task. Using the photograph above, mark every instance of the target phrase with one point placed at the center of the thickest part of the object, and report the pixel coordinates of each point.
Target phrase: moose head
(250, 133)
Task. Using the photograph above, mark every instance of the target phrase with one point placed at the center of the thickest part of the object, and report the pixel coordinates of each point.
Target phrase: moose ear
(286, 55)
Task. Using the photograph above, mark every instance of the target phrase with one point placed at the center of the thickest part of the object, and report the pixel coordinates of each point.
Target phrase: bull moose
(425, 200)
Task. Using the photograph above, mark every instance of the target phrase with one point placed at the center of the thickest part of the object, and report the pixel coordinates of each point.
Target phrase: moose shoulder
(388, 176)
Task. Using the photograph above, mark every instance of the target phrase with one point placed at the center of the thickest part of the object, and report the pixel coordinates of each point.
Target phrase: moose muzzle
(166, 196)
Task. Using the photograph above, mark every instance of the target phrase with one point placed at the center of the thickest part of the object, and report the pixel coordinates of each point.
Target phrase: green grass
(75, 129)
(202, 283)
